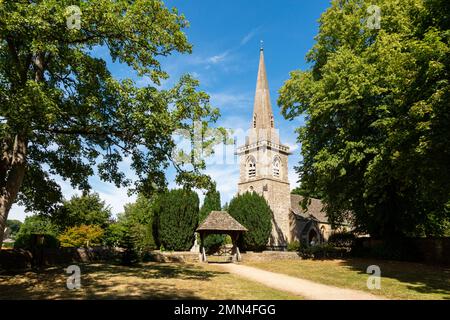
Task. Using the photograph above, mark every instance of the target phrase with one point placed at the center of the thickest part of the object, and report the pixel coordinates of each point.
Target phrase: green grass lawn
(146, 281)
(399, 280)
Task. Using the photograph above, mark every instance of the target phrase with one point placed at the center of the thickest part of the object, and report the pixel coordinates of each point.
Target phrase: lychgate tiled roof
(220, 221)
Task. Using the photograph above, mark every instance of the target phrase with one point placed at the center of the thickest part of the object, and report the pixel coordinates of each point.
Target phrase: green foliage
(28, 241)
(228, 240)
(342, 239)
(211, 203)
(252, 211)
(137, 221)
(130, 255)
(294, 246)
(36, 224)
(142, 238)
(81, 236)
(323, 251)
(176, 218)
(63, 113)
(377, 128)
(14, 226)
(140, 211)
(87, 209)
(306, 193)
(114, 234)
(133, 231)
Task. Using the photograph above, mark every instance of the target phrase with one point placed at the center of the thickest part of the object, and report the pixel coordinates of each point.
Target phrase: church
(263, 164)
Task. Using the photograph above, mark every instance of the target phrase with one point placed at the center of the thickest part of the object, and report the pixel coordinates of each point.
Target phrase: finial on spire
(262, 45)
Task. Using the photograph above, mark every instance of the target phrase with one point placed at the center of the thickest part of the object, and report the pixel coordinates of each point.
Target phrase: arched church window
(276, 167)
(254, 121)
(251, 167)
(322, 231)
(271, 121)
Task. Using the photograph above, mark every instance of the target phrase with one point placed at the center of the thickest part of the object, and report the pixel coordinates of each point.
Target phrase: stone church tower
(264, 162)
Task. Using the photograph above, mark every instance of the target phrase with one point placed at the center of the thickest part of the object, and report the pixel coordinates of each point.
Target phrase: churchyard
(335, 175)
(174, 280)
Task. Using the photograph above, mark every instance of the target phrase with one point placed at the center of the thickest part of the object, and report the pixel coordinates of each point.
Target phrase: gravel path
(305, 288)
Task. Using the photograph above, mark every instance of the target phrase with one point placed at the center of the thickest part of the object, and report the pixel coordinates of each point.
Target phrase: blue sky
(226, 39)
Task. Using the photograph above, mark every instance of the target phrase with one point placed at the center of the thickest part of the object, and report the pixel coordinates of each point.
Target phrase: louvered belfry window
(276, 167)
(251, 167)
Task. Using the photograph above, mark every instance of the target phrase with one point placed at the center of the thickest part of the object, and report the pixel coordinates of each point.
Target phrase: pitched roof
(220, 221)
(315, 208)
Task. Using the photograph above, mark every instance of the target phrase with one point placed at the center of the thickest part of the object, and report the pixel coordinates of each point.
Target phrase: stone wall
(269, 256)
(18, 259)
(182, 257)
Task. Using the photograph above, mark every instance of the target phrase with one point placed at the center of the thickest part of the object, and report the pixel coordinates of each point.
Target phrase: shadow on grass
(109, 281)
(422, 278)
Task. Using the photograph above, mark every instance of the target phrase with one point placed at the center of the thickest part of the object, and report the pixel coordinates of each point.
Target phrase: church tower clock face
(264, 161)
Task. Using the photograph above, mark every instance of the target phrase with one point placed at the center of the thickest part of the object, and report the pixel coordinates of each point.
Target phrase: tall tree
(87, 209)
(176, 218)
(140, 211)
(253, 212)
(137, 220)
(62, 112)
(377, 106)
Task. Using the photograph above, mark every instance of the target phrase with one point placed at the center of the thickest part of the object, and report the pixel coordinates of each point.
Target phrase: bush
(294, 246)
(139, 219)
(114, 233)
(323, 251)
(228, 240)
(253, 212)
(342, 239)
(28, 241)
(175, 219)
(130, 255)
(32, 226)
(81, 236)
(141, 237)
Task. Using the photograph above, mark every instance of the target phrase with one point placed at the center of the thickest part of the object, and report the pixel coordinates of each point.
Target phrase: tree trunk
(12, 171)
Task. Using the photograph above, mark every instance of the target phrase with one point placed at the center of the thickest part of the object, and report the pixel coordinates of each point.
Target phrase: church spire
(262, 109)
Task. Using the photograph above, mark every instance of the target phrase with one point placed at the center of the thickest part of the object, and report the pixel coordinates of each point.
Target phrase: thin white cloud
(218, 58)
(116, 198)
(249, 36)
(293, 178)
(292, 146)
